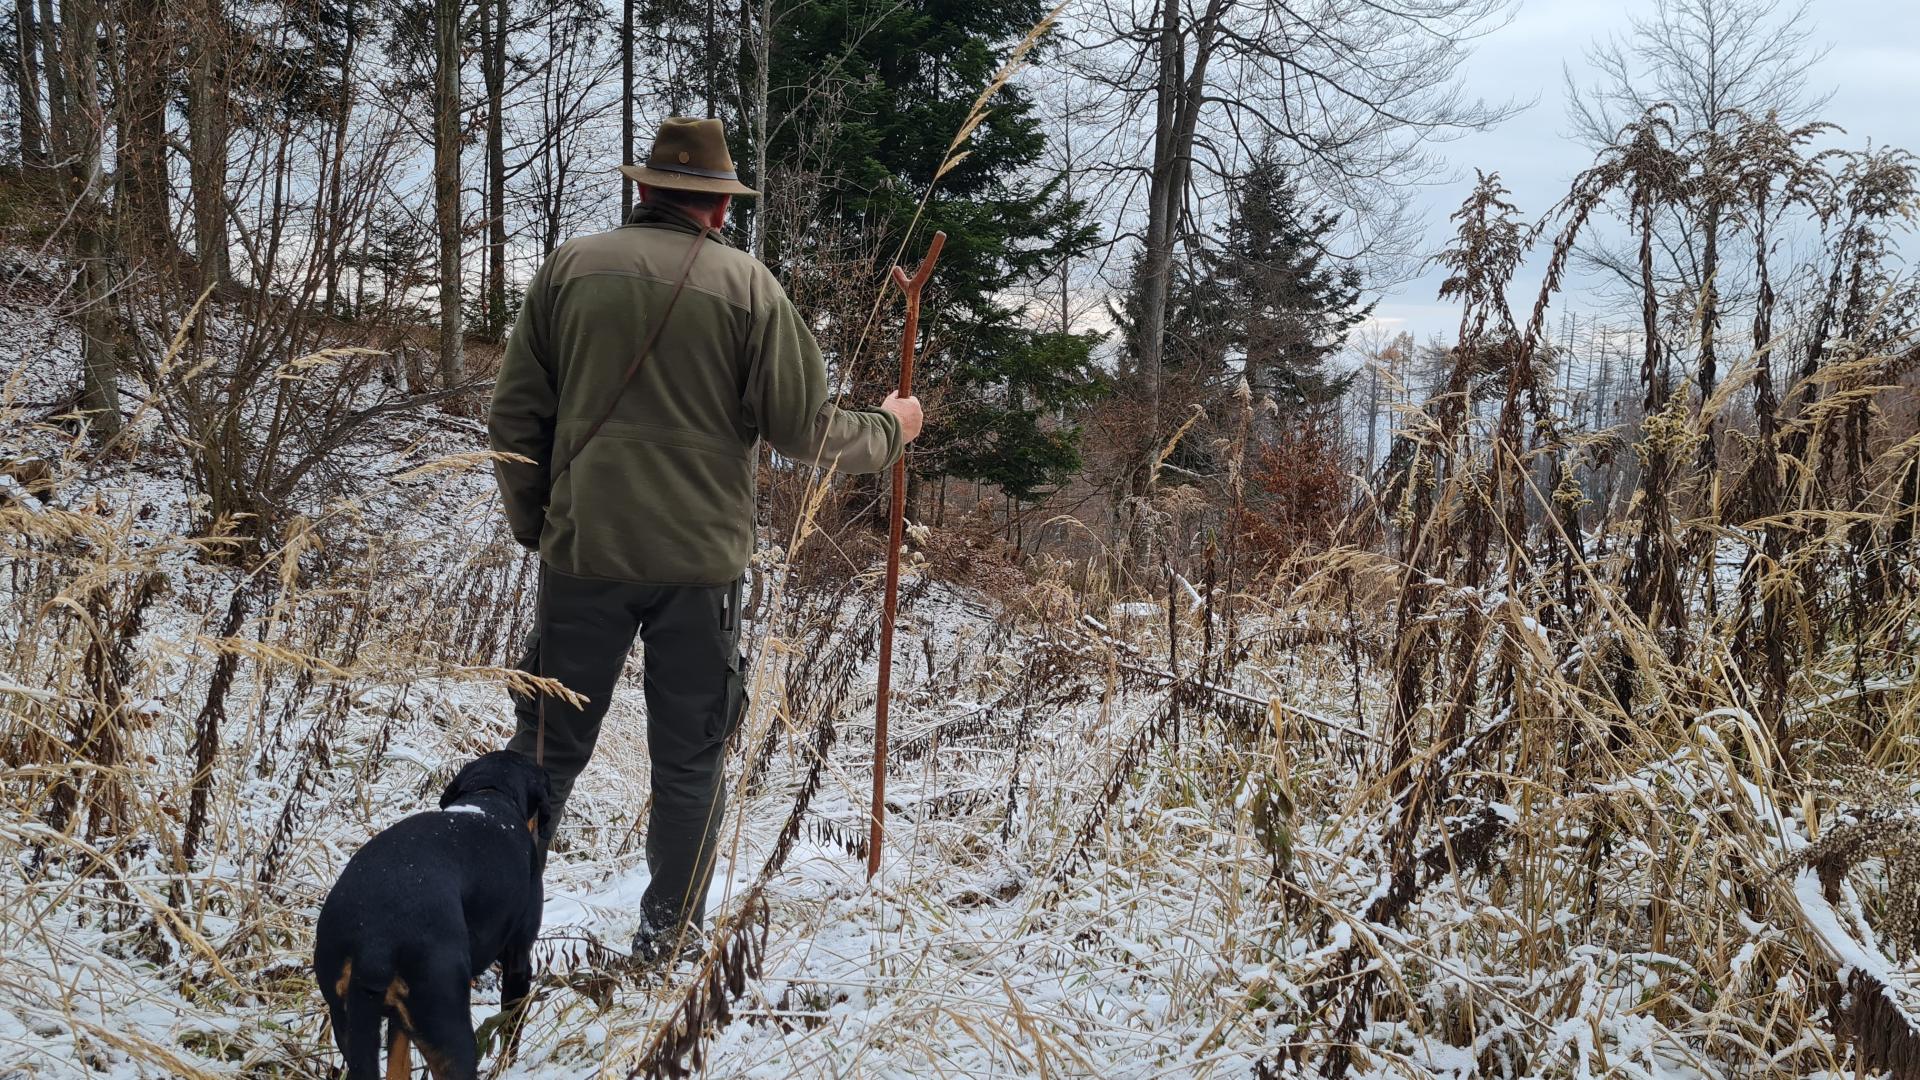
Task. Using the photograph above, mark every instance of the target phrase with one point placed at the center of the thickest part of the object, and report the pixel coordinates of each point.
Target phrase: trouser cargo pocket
(733, 703)
(734, 710)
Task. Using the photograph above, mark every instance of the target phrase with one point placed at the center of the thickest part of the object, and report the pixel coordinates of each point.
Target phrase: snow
(983, 948)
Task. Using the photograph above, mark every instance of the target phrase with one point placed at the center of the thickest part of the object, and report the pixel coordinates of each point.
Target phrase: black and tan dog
(423, 909)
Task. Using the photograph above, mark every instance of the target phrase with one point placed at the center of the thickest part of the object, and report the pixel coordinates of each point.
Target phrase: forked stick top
(911, 285)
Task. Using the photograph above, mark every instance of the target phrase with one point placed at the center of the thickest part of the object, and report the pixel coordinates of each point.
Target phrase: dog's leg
(516, 993)
(452, 1056)
(334, 993)
(337, 1020)
(358, 1024)
(399, 1054)
(516, 972)
(399, 1020)
(443, 1024)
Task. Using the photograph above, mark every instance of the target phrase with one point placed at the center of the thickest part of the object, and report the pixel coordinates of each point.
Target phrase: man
(638, 492)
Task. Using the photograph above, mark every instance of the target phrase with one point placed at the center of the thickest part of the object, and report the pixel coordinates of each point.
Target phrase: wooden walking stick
(897, 520)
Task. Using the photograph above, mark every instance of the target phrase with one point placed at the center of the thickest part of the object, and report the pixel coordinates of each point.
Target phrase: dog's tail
(365, 1006)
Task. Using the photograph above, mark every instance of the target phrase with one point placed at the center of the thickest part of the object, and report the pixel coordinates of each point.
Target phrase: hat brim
(679, 181)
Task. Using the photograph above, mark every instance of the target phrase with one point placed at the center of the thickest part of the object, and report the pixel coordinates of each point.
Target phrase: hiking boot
(655, 946)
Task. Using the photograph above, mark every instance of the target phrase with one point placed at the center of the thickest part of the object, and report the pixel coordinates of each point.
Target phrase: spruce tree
(1199, 336)
(1291, 304)
(1200, 331)
(1006, 411)
(903, 82)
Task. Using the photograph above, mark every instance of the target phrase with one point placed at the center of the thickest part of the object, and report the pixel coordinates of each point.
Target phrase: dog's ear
(456, 786)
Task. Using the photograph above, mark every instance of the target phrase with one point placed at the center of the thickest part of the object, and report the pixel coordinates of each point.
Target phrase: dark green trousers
(695, 698)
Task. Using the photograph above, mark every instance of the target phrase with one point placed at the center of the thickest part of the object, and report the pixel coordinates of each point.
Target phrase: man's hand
(907, 411)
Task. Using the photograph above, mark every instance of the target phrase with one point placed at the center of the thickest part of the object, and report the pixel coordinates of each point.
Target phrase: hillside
(1013, 926)
(1130, 836)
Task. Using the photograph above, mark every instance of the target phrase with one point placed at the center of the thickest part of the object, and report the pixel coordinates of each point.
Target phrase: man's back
(664, 492)
(650, 520)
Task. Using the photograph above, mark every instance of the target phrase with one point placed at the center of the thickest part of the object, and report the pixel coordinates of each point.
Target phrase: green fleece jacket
(664, 494)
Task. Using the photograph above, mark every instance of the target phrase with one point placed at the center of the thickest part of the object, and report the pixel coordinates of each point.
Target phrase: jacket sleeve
(786, 398)
(521, 419)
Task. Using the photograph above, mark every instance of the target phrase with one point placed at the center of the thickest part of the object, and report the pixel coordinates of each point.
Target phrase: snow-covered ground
(959, 959)
(1078, 879)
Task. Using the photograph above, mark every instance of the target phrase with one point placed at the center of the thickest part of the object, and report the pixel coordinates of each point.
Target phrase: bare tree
(76, 129)
(1710, 63)
(754, 92)
(626, 105)
(493, 51)
(446, 184)
(1705, 58)
(1354, 90)
(1384, 357)
(337, 222)
(26, 82)
(208, 131)
(142, 35)
(569, 121)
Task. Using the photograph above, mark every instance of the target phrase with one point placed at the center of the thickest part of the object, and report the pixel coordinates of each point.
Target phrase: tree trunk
(57, 105)
(141, 117)
(496, 323)
(1162, 204)
(26, 81)
(1178, 94)
(626, 106)
(762, 93)
(1709, 329)
(207, 131)
(709, 65)
(1373, 409)
(1066, 194)
(446, 183)
(336, 179)
(75, 131)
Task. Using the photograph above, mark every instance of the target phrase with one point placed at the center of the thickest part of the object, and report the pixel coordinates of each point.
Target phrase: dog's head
(513, 775)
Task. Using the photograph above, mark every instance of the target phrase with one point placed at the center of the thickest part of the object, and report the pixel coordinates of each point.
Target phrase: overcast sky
(1873, 71)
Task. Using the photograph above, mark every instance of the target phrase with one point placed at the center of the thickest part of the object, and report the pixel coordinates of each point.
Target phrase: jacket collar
(668, 217)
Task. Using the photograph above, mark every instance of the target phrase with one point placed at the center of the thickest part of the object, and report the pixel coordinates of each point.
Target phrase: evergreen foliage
(1007, 417)
(1289, 304)
(904, 81)
(1270, 301)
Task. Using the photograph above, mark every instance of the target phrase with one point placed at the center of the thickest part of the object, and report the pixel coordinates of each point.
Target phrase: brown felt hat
(689, 155)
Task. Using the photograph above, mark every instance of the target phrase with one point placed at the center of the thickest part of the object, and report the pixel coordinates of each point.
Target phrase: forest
(1281, 686)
